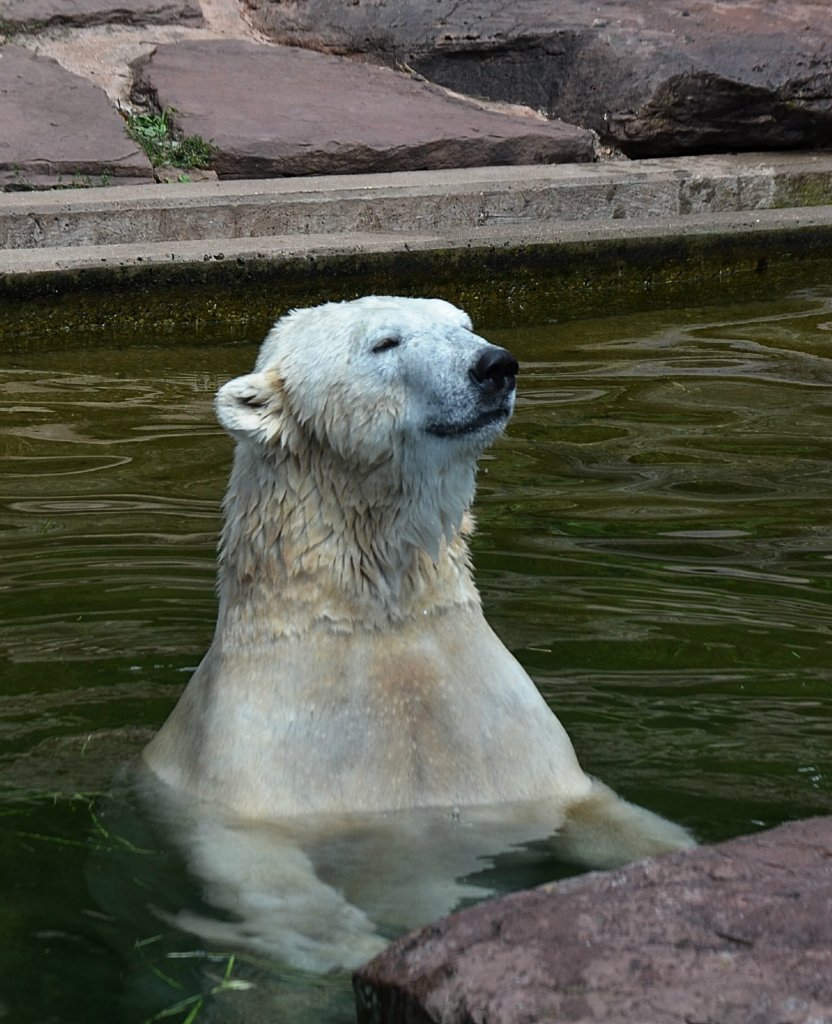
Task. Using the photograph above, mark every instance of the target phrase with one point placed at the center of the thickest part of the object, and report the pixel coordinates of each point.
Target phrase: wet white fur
(352, 671)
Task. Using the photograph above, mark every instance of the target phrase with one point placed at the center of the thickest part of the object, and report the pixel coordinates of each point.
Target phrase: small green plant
(9, 29)
(79, 180)
(192, 1005)
(20, 182)
(164, 146)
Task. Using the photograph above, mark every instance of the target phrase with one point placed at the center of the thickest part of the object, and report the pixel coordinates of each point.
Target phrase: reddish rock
(58, 128)
(655, 77)
(31, 15)
(275, 110)
(739, 933)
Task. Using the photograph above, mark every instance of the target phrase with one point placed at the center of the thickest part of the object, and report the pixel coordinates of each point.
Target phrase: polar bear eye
(383, 346)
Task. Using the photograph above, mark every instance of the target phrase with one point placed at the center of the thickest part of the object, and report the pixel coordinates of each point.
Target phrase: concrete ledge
(511, 244)
(793, 226)
(421, 202)
(74, 296)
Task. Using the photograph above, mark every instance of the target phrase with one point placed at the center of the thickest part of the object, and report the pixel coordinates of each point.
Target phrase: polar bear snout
(495, 370)
(479, 409)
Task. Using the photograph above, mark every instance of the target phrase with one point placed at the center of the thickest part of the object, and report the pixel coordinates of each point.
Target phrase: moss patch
(803, 190)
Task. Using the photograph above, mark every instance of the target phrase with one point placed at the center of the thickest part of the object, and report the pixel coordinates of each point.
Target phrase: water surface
(654, 544)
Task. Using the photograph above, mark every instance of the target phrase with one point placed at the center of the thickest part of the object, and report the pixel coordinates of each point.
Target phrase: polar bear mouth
(486, 419)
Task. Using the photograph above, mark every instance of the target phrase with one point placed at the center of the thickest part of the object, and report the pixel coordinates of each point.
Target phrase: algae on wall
(499, 285)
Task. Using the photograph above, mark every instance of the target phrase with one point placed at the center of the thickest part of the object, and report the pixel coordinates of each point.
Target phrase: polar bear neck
(311, 544)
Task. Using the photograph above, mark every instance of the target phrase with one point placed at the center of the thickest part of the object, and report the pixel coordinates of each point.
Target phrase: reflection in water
(655, 545)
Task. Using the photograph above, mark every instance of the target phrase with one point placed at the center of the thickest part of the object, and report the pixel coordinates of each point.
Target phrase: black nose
(496, 368)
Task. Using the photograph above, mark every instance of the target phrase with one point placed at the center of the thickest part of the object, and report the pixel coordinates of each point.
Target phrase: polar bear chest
(431, 714)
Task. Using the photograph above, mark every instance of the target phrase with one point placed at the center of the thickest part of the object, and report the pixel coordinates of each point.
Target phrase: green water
(654, 544)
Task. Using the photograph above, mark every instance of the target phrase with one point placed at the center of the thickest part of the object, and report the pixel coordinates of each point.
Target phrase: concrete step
(806, 230)
(413, 203)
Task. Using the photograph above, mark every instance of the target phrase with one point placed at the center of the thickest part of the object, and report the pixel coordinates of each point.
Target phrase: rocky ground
(286, 88)
(738, 933)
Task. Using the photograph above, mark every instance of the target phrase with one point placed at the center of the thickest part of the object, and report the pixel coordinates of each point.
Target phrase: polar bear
(352, 671)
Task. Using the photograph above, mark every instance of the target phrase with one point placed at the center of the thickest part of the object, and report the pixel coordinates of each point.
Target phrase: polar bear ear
(250, 406)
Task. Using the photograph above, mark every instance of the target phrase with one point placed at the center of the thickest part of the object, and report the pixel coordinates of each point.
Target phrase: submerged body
(352, 671)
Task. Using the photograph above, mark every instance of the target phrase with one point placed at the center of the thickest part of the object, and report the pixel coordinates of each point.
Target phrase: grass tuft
(165, 147)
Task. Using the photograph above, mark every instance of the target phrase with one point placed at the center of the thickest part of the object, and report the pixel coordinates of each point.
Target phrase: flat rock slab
(59, 129)
(273, 111)
(653, 77)
(739, 933)
(32, 15)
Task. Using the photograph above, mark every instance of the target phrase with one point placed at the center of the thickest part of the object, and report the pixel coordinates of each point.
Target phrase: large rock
(59, 129)
(655, 77)
(739, 933)
(275, 110)
(31, 15)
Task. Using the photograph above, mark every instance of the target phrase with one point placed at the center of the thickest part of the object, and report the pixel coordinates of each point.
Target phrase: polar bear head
(373, 377)
(378, 408)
